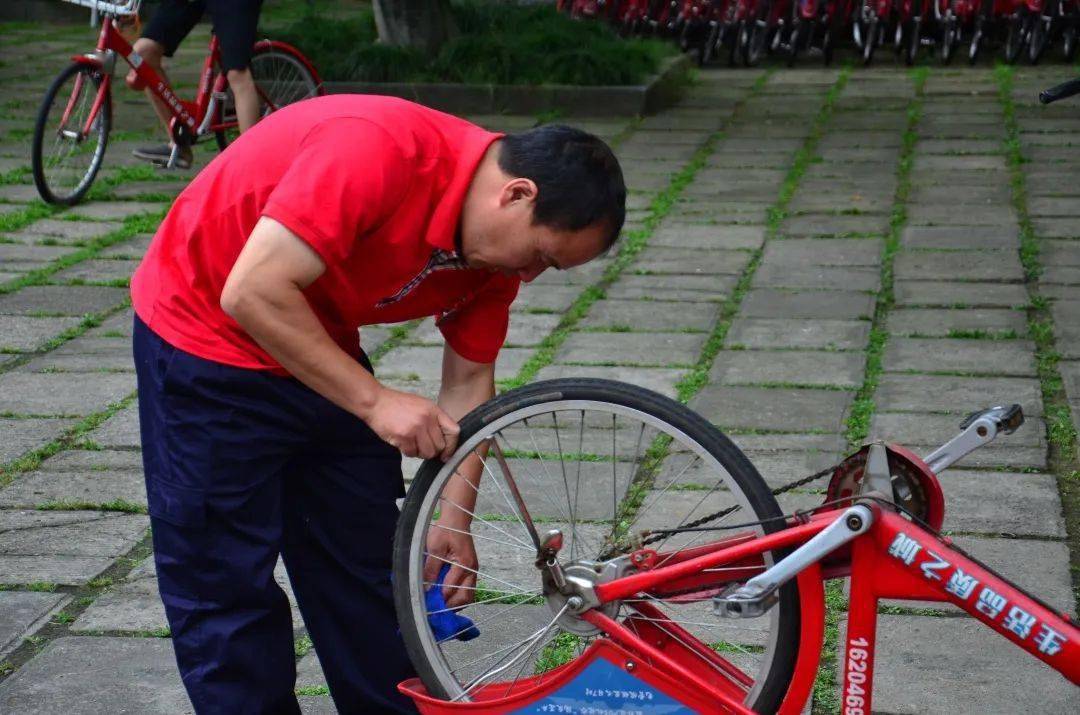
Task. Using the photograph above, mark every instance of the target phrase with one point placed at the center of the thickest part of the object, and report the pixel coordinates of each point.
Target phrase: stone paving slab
(709, 236)
(61, 394)
(827, 225)
(782, 410)
(525, 330)
(963, 265)
(24, 612)
(771, 275)
(132, 248)
(47, 487)
(426, 362)
(26, 334)
(977, 357)
(551, 298)
(1012, 503)
(658, 379)
(121, 431)
(824, 305)
(974, 238)
(659, 349)
(960, 667)
(918, 292)
(797, 253)
(97, 271)
(691, 289)
(806, 367)
(956, 395)
(643, 315)
(18, 252)
(62, 300)
(937, 214)
(809, 334)
(76, 675)
(943, 322)
(51, 229)
(23, 435)
(690, 261)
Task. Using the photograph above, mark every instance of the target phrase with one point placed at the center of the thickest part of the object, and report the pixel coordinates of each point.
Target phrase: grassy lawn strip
(1061, 433)
(496, 43)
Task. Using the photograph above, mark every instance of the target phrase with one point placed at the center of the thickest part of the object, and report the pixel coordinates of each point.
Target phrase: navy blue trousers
(243, 466)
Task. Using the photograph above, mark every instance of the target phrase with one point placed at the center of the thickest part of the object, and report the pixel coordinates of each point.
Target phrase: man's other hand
(451, 543)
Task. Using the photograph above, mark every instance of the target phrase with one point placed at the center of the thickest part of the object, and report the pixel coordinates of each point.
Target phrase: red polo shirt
(374, 185)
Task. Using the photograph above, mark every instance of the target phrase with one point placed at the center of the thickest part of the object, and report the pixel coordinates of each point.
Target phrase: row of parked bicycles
(744, 31)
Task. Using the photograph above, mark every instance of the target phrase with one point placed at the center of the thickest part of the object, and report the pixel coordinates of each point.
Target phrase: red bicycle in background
(73, 124)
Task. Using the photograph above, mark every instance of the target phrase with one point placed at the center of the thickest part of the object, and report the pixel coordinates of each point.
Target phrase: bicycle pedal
(745, 601)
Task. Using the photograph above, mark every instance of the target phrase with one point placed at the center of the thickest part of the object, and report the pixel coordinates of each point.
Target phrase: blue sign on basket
(604, 689)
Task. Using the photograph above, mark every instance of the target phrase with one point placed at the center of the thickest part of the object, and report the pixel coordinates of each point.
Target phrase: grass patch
(1061, 432)
(496, 43)
(313, 690)
(826, 696)
(862, 408)
(117, 505)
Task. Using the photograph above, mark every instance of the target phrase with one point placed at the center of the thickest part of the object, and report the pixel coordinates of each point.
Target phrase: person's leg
(171, 23)
(216, 445)
(339, 525)
(235, 24)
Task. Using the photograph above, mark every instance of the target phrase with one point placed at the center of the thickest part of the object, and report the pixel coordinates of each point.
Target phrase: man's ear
(519, 189)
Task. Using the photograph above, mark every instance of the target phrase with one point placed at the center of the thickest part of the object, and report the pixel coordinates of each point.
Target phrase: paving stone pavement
(819, 228)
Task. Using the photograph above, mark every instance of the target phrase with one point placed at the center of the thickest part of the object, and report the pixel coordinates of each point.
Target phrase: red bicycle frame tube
(897, 559)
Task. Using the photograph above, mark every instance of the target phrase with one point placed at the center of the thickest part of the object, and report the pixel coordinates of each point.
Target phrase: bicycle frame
(895, 558)
(191, 119)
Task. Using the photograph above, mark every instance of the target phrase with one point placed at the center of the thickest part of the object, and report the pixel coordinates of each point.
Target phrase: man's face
(505, 239)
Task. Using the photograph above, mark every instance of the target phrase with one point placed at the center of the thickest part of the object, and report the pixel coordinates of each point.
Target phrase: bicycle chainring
(915, 488)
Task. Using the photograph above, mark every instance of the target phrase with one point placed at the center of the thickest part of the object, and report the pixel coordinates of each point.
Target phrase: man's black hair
(578, 179)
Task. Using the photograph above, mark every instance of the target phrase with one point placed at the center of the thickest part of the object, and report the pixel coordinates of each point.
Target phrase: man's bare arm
(264, 294)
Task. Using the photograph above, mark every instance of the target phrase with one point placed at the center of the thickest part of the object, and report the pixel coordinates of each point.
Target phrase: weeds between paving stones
(1061, 432)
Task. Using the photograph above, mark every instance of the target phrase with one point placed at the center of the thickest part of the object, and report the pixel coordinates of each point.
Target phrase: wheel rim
(69, 160)
(280, 80)
(566, 425)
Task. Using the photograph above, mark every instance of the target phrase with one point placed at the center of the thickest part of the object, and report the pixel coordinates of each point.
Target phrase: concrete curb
(661, 91)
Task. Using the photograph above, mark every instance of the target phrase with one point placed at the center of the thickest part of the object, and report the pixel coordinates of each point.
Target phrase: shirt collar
(443, 225)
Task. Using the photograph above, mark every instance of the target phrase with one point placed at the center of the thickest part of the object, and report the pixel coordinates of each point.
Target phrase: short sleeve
(477, 330)
(348, 176)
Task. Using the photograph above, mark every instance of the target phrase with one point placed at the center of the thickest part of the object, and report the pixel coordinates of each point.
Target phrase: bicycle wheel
(65, 158)
(1068, 43)
(601, 461)
(914, 40)
(282, 76)
(1038, 36)
(756, 36)
(950, 36)
(1014, 40)
(975, 47)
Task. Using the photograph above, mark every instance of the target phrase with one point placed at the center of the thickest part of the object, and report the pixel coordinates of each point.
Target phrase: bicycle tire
(539, 398)
(975, 47)
(914, 38)
(304, 84)
(949, 37)
(1014, 39)
(1069, 43)
(870, 42)
(1037, 39)
(757, 34)
(48, 189)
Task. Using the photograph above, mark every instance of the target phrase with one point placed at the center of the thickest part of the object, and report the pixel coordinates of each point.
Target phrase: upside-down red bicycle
(73, 124)
(629, 558)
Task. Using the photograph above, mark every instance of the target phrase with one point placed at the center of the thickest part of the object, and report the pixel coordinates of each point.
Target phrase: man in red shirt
(264, 431)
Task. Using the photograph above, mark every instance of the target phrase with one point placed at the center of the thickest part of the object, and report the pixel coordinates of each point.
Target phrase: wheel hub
(577, 594)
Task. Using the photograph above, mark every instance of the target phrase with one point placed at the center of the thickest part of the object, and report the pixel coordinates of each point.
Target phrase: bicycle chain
(724, 512)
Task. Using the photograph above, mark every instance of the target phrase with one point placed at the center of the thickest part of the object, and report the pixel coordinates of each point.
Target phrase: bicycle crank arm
(755, 597)
(980, 428)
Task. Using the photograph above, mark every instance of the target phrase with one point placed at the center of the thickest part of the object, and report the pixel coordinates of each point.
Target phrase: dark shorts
(241, 467)
(235, 23)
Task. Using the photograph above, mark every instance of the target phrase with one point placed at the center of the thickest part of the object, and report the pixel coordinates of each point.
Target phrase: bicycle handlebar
(1061, 91)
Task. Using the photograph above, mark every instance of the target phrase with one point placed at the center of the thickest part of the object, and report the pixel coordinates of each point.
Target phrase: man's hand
(413, 424)
(451, 542)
